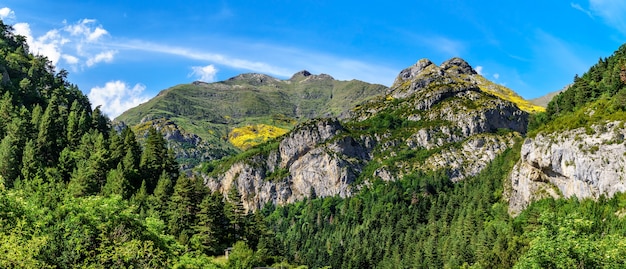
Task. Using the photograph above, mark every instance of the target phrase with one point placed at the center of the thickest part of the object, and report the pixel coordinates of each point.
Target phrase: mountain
(233, 115)
(433, 118)
(442, 170)
(577, 147)
(543, 101)
(554, 200)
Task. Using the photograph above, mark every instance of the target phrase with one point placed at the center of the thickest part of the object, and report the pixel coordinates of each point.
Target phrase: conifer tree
(116, 148)
(131, 170)
(9, 162)
(235, 212)
(151, 164)
(6, 112)
(140, 198)
(162, 194)
(30, 162)
(182, 209)
(116, 183)
(51, 136)
(100, 122)
(74, 132)
(11, 148)
(210, 232)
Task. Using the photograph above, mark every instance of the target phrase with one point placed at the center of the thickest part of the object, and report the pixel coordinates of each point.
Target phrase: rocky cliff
(314, 159)
(584, 163)
(434, 118)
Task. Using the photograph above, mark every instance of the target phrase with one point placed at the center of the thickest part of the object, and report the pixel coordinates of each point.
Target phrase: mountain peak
(413, 70)
(301, 74)
(459, 66)
(254, 78)
(306, 75)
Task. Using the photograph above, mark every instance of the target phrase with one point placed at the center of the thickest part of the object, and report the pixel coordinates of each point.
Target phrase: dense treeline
(74, 193)
(604, 84)
(425, 221)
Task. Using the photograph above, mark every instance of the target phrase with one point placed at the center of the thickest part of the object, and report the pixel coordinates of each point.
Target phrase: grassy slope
(507, 94)
(213, 111)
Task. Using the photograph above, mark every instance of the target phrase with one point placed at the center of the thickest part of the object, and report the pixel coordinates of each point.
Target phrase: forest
(76, 193)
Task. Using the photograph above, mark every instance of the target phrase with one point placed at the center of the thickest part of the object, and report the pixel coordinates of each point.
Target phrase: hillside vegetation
(596, 96)
(213, 110)
(414, 177)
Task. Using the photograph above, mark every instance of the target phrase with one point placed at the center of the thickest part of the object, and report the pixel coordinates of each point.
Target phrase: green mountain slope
(543, 101)
(418, 178)
(213, 111)
(433, 118)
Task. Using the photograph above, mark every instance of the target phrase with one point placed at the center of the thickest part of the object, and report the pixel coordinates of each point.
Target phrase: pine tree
(131, 170)
(116, 183)
(162, 193)
(6, 112)
(100, 122)
(9, 162)
(182, 209)
(11, 149)
(51, 136)
(152, 159)
(140, 198)
(30, 163)
(82, 181)
(235, 212)
(210, 232)
(116, 148)
(91, 165)
(74, 132)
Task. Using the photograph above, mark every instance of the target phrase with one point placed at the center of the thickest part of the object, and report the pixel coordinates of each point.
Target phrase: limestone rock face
(314, 159)
(434, 118)
(584, 163)
(189, 149)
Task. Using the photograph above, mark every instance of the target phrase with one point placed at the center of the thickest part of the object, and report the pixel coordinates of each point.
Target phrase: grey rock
(570, 164)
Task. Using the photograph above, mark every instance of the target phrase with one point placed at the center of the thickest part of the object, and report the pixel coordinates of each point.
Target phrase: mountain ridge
(217, 112)
(433, 118)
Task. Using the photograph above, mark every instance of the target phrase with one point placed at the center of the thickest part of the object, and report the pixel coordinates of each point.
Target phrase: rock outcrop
(314, 159)
(432, 118)
(582, 163)
(189, 149)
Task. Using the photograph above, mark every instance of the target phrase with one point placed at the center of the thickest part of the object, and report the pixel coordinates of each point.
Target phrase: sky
(122, 53)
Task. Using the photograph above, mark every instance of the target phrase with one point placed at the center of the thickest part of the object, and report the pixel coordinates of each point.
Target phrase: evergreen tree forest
(75, 193)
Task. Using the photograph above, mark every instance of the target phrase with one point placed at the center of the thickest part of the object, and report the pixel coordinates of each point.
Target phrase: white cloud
(72, 60)
(96, 34)
(206, 56)
(105, 56)
(580, 8)
(76, 44)
(496, 76)
(479, 70)
(205, 73)
(286, 61)
(116, 97)
(85, 29)
(47, 45)
(613, 12)
(7, 14)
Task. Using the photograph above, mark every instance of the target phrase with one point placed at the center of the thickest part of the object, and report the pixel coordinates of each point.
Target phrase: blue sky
(122, 53)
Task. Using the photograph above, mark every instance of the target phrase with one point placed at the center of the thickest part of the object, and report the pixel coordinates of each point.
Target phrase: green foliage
(212, 111)
(75, 194)
(243, 257)
(604, 83)
(421, 221)
(596, 112)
